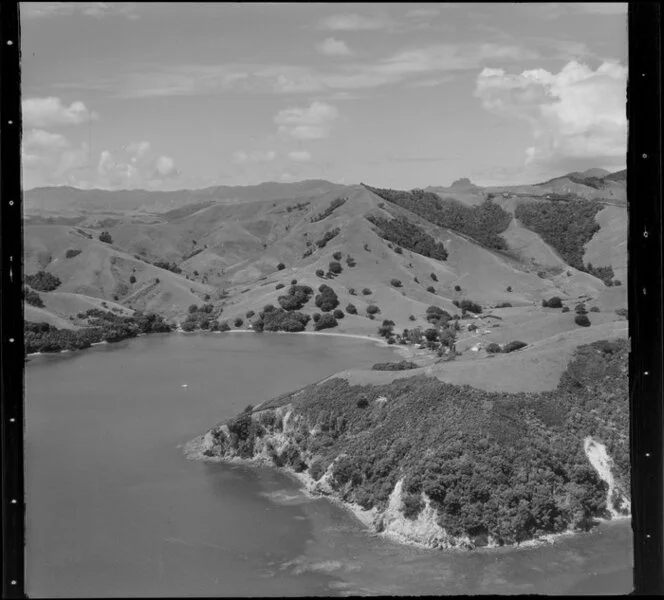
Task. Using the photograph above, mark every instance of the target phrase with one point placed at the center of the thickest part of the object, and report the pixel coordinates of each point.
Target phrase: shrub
(396, 282)
(72, 252)
(337, 256)
(321, 243)
(32, 298)
(224, 326)
(350, 261)
(250, 314)
(352, 292)
(372, 309)
(436, 315)
(335, 267)
(366, 247)
(105, 237)
(316, 317)
(351, 309)
(411, 318)
(431, 289)
(238, 322)
(157, 280)
(509, 288)
(617, 282)
(293, 282)
(434, 277)
(580, 309)
(553, 302)
(582, 320)
(366, 291)
(132, 279)
(457, 288)
(565, 309)
(398, 250)
(281, 266)
(338, 314)
(622, 312)
(43, 281)
(336, 203)
(362, 402)
(326, 321)
(320, 273)
(594, 309)
(279, 286)
(512, 346)
(504, 305)
(188, 326)
(403, 365)
(493, 348)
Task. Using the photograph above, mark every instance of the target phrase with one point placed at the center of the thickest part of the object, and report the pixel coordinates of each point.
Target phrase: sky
(401, 95)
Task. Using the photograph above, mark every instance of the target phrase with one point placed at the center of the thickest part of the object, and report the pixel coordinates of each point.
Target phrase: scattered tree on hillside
(366, 291)
(431, 289)
(338, 313)
(72, 252)
(335, 267)
(281, 266)
(396, 282)
(553, 302)
(582, 320)
(327, 299)
(105, 237)
(337, 256)
(434, 277)
(132, 279)
(373, 309)
(320, 273)
(351, 309)
(297, 297)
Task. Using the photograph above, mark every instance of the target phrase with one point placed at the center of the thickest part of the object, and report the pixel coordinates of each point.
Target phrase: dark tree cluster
(101, 326)
(329, 210)
(403, 365)
(408, 235)
(279, 319)
(483, 223)
(553, 302)
(72, 252)
(105, 237)
(201, 317)
(327, 236)
(327, 299)
(296, 298)
(567, 227)
(32, 298)
(169, 266)
(468, 305)
(43, 281)
(326, 321)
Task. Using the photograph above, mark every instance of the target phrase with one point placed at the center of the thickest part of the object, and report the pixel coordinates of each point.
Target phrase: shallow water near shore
(115, 509)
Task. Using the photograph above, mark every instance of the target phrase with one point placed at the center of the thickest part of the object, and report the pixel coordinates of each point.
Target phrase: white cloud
(577, 116)
(334, 47)
(299, 156)
(48, 112)
(258, 156)
(35, 10)
(134, 166)
(422, 13)
(309, 123)
(38, 139)
(354, 22)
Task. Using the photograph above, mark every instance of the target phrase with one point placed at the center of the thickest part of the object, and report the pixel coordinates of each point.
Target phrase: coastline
(194, 450)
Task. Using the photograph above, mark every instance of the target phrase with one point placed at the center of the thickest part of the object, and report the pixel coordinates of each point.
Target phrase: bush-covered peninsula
(454, 466)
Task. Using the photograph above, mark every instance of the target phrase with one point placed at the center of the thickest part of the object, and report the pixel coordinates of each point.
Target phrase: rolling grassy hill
(226, 246)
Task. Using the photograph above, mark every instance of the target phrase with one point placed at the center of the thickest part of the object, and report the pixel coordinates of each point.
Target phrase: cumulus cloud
(134, 166)
(52, 159)
(258, 156)
(577, 116)
(36, 10)
(354, 22)
(48, 112)
(334, 47)
(299, 156)
(309, 123)
(422, 13)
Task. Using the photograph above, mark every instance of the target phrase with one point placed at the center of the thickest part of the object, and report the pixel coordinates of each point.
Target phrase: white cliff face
(602, 463)
(423, 530)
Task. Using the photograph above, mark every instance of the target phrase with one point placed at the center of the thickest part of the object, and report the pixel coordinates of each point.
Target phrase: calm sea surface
(114, 508)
